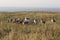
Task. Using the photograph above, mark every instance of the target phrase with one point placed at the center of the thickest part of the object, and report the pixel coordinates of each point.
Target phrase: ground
(40, 31)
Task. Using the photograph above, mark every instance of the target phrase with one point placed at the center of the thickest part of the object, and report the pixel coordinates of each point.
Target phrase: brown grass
(48, 31)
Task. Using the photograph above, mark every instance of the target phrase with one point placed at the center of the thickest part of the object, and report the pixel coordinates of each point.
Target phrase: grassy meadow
(40, 31)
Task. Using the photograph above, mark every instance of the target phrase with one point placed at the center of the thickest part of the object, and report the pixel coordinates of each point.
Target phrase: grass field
(40, 31)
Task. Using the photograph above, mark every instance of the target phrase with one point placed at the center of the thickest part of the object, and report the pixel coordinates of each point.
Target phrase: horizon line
(28, 9)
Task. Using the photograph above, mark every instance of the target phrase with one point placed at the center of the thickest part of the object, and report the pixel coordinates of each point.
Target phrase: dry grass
(48, 31)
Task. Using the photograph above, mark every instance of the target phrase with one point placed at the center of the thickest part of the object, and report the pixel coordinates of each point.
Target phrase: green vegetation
(40, 31)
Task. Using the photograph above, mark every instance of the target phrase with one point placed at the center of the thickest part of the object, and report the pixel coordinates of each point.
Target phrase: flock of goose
(26, 20)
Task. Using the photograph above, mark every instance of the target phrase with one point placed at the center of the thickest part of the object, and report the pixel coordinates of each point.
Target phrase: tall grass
(40, 31)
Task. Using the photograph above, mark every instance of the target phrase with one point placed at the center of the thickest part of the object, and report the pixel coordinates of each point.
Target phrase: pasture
(31, 31)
